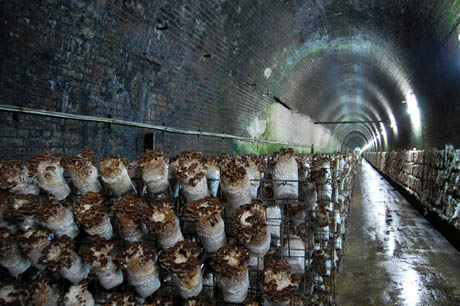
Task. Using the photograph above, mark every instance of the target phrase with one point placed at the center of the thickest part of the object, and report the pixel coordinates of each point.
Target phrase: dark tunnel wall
(218, 66)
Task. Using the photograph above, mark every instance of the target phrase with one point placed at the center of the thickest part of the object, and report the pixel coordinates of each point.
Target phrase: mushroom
(143, 273)
(212, 174)
(50, 174)
(208, 222)
(11, 257)
(128, 211)
(182, 262)
(172, 170)
(161, 220)
(312, 198)
(191, 173)
(91, 214)
(99, 257)
(22, 208)
(42, 294)
(230, 263)
(160, 301)
(33, 242)
(78, 295)
(15, 178)
(155, 172)
(285, 175)
(321, 170)
(58, 219)
(280, 284)
(3, 209)
(200, 302)
(235, 183)
(60, 256)
(121, 299)
(251, 229)
(82, 171)
(114, 172)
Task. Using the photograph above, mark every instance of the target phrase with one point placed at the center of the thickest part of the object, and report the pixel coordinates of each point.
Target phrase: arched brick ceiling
(355, 60)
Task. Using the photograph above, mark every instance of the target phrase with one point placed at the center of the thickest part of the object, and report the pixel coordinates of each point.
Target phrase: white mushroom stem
(15, 177)
(285, 176)
(155, 171)
(78, 295)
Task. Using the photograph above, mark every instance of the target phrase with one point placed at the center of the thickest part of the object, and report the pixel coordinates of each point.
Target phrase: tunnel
(241, 77)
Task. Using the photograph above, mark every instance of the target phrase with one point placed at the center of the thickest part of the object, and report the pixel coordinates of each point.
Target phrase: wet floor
(393, 256)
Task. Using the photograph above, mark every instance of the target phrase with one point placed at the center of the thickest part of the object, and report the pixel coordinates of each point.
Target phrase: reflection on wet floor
(393, 256)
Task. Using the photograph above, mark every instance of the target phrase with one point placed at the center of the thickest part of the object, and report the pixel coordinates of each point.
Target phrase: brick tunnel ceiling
(358, 60)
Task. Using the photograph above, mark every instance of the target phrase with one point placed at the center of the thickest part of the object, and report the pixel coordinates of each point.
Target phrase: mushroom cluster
(139, 261)
(99, 256)
(128, 211)
(231, 265)
(162, 221)
(154, 165)
(251, 229)
(33, 242)
(41, 293)
(182, 262)
(91, 214)
(50, 175)
(11, 257)
(16, 178)
(114, 172)
(83, 172)
(235, 183)
(78, 295)
(280, 285)
(191, 173)
(22, 209)
(58, 219)
(209, 224)
(285, 175)
(60, 256)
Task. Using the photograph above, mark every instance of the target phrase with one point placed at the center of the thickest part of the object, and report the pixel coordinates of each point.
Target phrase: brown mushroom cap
(80, 161)
(233, 169)
(206, 210)
(153, 159)
(99, 254)
(39, 291)
(128, 210)
(230, 260)
(49, 208)
(34, 238)
(89, 209)
(251, 225)
(160, 217)
(182, 258)
(58, 254)
(279, 283)
(137, 254)
(18, 206)
(33, 163)
(121, 299)
(111, 166)
(191, 168)
(9, 172)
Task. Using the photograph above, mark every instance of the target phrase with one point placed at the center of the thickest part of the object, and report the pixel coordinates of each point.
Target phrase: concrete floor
(393, 256)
